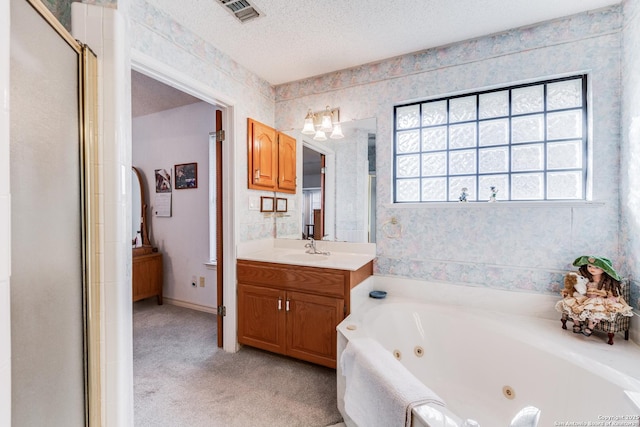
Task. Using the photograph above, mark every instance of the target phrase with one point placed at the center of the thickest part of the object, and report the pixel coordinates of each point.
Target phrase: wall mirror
(138, 210)
(339, 203)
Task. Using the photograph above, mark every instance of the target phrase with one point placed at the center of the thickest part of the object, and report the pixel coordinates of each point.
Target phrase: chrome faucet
(311, 248)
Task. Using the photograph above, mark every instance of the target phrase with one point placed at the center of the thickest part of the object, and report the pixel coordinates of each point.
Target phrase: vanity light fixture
(323, 122)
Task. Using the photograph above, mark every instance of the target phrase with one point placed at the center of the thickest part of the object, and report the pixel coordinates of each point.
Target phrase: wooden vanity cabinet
(147, 276)
(294, 310)
(271, 159)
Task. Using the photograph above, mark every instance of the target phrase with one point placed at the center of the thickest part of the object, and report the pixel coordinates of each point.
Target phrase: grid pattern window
(524, 142)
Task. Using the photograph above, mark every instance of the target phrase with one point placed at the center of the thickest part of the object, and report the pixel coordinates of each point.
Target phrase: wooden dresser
(147, 276)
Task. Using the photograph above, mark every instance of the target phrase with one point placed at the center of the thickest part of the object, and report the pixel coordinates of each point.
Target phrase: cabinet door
(263, 159)
(311, 327)
(261, 317)
(146, 274)
(286, 163)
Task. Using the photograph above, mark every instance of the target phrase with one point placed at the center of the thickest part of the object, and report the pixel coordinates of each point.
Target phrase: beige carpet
(181, 378)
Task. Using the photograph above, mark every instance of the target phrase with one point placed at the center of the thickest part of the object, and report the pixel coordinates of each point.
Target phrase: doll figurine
(494, 193)
(602, 299)
(463, 195)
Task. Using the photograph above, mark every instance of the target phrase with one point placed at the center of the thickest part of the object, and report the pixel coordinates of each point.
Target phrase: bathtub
(488, 364)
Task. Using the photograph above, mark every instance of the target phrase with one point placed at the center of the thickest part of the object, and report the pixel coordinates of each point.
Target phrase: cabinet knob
(287, 306)
(256, 174)
(279, 304)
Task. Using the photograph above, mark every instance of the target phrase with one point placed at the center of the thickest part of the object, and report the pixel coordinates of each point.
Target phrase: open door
(219, 240)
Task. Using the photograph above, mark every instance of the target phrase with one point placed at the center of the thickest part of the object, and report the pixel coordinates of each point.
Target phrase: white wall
(160, 141)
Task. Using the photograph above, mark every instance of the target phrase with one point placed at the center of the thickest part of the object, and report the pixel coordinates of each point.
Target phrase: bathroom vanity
(290, 302)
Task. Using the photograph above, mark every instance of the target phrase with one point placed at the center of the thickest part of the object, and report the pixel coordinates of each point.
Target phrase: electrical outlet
(201, 282)
(193, 281)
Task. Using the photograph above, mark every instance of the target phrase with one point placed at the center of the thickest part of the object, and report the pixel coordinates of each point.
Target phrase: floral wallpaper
(630, 147)
(61, 9)
(519, 247)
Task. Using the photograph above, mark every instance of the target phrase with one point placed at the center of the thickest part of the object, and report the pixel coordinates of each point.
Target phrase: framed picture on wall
(186, 175)
(281, 204)
(163, 181)
(266, 204)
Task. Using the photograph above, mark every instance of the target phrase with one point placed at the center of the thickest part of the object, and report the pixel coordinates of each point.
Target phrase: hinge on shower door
(220, 135)
(222, 310)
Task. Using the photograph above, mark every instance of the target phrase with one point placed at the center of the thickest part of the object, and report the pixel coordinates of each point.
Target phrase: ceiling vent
(241, 9)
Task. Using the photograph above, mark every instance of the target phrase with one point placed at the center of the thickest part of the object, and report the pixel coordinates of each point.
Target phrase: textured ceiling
(151, 96)
(297, 39)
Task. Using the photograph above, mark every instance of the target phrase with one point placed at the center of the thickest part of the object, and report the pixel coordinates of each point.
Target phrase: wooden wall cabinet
(147, 276)
(294, 310)
(271, 159)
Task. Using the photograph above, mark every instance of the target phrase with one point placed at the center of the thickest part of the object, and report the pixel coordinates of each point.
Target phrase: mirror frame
(143, 210)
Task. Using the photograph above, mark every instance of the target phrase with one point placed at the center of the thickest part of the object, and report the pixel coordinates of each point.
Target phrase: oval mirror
(138, 209)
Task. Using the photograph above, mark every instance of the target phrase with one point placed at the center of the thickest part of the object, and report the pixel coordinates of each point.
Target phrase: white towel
(380, 391)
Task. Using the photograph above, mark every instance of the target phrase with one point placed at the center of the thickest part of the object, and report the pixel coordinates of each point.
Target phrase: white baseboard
(193, 306)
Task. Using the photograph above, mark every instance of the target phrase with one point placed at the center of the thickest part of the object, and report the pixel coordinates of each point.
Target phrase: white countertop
(342, 255)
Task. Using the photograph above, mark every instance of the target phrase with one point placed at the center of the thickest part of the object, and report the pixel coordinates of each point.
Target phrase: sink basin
(305, 257)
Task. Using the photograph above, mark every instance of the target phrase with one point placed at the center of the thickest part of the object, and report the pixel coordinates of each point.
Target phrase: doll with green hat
(603, 299)
(600, 262)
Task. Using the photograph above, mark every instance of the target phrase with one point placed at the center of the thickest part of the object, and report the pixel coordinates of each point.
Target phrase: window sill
(498, 204)
(211, 265)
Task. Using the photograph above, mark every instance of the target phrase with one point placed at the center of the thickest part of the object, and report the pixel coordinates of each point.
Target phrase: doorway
(173, 127)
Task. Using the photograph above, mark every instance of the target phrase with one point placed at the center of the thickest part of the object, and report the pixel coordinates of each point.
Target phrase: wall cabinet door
(263, 160)
(286, 163)
(311, 327)
(261, 317)
(271, 159)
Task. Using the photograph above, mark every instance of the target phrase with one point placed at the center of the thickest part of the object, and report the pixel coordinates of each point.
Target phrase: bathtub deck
(622, 355)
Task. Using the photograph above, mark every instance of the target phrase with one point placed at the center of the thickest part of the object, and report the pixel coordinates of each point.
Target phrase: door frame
(172, 77)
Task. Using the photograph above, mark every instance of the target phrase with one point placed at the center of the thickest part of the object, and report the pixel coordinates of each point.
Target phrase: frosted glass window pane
(434, 139)
(408, 166)
(434, 164)
(527, 100)
(408, 190)
(434, 113)
(567, 94)
(462, 162)
(407, 117)
(528, 128)
(462, 109)
(494, 132)
(527, 141)
(527, 157)
(527, 186)
(501, 182)
(462, 136)
(564, 155)
(494, 160)
(456, 184)
(434, 190)
(564, 185)
(494, 104)
(408, 141)
(565, 124)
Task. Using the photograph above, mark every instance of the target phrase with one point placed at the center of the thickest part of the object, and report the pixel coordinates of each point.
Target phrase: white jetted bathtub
(487, 365)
